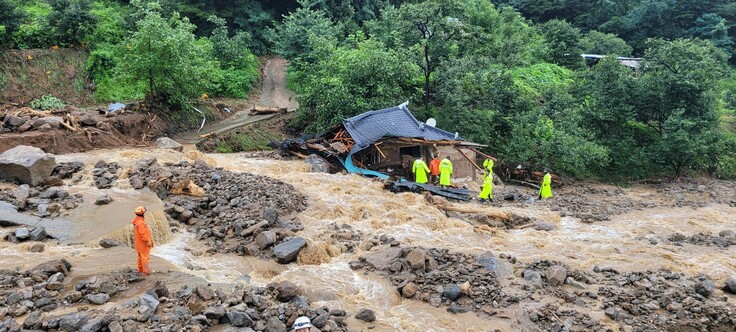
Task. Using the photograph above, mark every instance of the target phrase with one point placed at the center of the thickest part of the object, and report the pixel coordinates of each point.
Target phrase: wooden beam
(379, 151)
(466, 157)
(482, 154)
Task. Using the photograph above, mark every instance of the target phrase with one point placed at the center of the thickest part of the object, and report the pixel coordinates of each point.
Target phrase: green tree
(10, 20)
(712, 27)
(563, 42)
(595, 42)
(431, 26)
(292, 37)
(166, 55)
(71, 20)
(360, 77)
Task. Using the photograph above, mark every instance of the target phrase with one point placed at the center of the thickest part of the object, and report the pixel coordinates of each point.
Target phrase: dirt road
(273, 94)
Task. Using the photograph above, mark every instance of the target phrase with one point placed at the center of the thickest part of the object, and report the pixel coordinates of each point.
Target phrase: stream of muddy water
(625, 242)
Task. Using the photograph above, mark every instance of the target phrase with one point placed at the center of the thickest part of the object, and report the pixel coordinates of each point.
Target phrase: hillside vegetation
(503, 73)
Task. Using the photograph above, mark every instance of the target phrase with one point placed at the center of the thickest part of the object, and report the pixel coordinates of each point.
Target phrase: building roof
(626, 61)
(397, 121)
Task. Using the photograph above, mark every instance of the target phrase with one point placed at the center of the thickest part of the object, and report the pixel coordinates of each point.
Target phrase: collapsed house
(385, 143)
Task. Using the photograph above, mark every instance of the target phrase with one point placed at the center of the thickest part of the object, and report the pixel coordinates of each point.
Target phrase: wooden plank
(466, 157)
(379, 151)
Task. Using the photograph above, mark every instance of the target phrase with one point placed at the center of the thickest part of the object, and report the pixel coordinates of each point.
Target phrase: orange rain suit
(143, 244)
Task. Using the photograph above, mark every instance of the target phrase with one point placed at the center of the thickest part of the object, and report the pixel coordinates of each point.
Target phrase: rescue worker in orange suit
(143, 241)
(434, 169)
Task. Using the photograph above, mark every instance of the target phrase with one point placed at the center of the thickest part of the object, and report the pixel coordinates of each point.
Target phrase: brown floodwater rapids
(625, 242)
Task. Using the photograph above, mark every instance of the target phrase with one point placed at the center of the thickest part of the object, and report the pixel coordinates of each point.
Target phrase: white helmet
(302, 322)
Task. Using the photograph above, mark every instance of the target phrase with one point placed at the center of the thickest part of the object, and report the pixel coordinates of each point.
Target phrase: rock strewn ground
(41, 290)
(460, 281)
(231, 212)
(643, 301)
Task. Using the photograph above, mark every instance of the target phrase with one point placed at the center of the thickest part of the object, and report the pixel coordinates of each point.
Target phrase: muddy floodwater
(635, 240)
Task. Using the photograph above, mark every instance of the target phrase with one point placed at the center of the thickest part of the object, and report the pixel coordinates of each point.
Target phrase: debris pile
(67, 170)
(69, 118)
(460, 281)
(50, 202)
(643, 301)
(724, 239)
(38, 291)
(105, 174)
(237, 212)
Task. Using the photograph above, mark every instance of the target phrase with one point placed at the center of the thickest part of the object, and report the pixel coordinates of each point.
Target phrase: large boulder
(26, 164)
(168, 143)
(287, 251)
(317, 164)
(382, 258)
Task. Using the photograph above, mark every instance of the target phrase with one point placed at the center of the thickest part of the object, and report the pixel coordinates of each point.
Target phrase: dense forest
(503, 73)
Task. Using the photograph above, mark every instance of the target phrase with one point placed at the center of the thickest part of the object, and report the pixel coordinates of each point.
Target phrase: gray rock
(287, 251)
(317, 164)
(52, 267)
(611, 312)
(38, 234)
(33, 321)
(9, 324)
(15, 121)
(265, 239)
(456, 309)
(150, 302)
(409, 290)
(205, 293)
(239, 319)
(416, 259)
(53, 122)
(103, 200)
(26, 164)
(366, 315)
(285, 290)
(320, 321)
(168, 143)
(275, 325)
(109, 243)
(730, 285)
(572, 282)
(382, 259)
(57, 277)
(73, 322)
(271, 215)
(22, 233)
(705, 287)
(556, 275)
(99, 299)
(533, 277)
(115, 327)
(94, 325)
(452, 292)
(214, 312)
(38, 247)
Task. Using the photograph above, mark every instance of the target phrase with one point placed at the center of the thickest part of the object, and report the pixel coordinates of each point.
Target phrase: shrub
(46, 102)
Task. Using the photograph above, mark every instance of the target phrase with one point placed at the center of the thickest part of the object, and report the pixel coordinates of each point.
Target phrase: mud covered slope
(29, 74)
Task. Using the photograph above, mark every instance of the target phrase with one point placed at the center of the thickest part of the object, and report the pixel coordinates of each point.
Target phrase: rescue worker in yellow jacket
(142, 240)
(445, 172)
(488, 165)
(546, 190)
(487, 192)
(420, 171)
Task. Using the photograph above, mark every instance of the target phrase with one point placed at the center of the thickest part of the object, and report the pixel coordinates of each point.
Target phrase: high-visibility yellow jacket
(487, 192)
(420, 171)
(488, 165)
(445, 172)
(546, 190)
